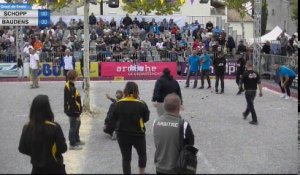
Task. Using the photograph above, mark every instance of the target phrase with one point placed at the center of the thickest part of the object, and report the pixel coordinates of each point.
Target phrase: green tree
(264, 16)
(295, 11)
(57, 5)
(145, 7)
(239, 6)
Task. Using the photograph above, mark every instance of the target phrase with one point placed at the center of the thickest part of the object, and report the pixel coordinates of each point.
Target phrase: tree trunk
(243, 29)
(86, 68)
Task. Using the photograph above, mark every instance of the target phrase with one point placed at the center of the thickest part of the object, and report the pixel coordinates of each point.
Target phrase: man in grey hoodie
(166, 136)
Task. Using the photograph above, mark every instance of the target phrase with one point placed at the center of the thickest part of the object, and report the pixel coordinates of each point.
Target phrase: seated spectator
(100, 45)
(38, 45)
(142, 34)
(99, 32)
(185, 28)
(80, 24)
(144, 25)
(135, 44)
(216, 32)
(47, 46)
(168, 45)
(196, 44)
(93, 35)
(154, 28)
(209, 26)
(136, 21)
(160, 44)
(183, 44)
(106, 30)
(117, 52)
(135, 31)
(146, 45)
(73, 25)
(125, 45)
(171, 24)
(113, 23)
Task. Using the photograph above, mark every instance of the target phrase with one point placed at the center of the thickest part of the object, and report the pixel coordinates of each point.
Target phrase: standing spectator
(287, 77)
(283, 43)
(205, 68)
(92, 19)
(165, 85)
(93, 35)
(209, 26)
(219, 66)
(193, 68)
(34, 67)
(113, 23)
(241, 47)
(127, 21)
(166, 136)
(251, 79)
(73, 109)
(68, 62)
(144, 24)
(130, 113)
(109, 124)
(290, 47)
(38, 45)
(266, 49)
(230, 44)
(61, 24)
(43, 139)
(240, 69)
(136, 21)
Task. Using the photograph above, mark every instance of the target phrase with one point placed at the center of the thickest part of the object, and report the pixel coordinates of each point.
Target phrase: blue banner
(6, 6)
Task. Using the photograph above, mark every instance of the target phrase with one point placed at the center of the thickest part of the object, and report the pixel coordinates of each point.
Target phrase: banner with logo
(137, 70)
(230, 68)
(50, 70)
(8, 70)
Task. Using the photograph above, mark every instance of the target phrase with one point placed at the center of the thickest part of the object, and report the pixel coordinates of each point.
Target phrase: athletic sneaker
(201, 87)
(80, 143)
(253, 123)
(76, 147)
(222, 92)
(282, 96)
(287, 97)
(114, 136)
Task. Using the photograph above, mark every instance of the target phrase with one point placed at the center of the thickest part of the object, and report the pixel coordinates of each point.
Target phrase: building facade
(279, 14)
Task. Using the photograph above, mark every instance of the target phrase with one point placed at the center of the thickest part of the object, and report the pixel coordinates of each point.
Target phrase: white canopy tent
(271, 36)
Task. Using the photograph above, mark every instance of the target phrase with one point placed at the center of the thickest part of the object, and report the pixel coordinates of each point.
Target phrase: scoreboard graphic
(23, 15)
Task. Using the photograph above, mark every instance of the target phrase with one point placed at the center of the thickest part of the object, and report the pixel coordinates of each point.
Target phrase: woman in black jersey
(130, 114)
(42, 139)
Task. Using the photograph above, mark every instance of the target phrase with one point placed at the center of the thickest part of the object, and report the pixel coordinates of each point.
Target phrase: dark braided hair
(131, 89)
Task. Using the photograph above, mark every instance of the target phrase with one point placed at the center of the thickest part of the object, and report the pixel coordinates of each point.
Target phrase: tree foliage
(238, 5)
(295, 10)
(264, 16)
(147, 6)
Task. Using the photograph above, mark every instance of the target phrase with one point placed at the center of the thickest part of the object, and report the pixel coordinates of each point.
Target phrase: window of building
(273, 12)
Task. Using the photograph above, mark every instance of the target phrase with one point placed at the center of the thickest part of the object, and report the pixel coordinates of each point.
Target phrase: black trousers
(250, 96)
(205, 73)
(238, 80)
(287, 86)
(139, 143)
(219, 78)
(74, 130)
(189, 76)
(49, 170)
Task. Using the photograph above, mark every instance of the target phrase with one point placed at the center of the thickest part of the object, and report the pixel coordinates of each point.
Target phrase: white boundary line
(278, 93)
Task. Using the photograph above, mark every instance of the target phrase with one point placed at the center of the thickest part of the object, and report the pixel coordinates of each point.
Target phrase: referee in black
(251, 79)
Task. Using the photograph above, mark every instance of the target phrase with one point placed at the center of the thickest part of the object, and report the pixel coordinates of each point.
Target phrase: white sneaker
(287, 97)
(282, 96)
(76, 147)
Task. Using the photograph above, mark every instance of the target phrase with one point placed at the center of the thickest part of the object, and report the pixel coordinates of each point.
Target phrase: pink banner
(141, 69)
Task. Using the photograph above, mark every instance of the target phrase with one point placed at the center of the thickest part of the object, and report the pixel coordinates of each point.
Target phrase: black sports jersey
(250, 80)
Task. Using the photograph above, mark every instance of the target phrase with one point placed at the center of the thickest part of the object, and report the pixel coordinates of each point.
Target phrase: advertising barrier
(8, 70)
(230, 68)
(50, 70)
(136, 70)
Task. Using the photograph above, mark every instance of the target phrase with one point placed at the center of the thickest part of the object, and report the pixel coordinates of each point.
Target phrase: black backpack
(187, 160)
